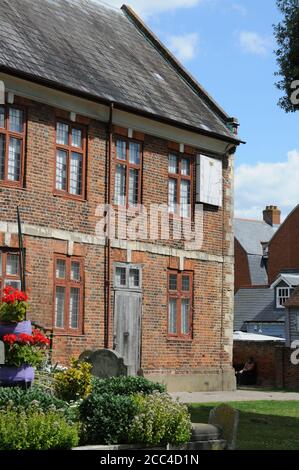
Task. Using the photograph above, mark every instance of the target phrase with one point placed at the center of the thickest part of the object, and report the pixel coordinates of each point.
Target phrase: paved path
(239, 395)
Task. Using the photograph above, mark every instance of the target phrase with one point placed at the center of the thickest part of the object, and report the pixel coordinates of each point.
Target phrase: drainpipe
(108, 241)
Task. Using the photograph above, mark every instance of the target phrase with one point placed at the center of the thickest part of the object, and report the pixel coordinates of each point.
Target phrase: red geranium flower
(23, 338)
(10, 339)
(12, 295)
(39, 338)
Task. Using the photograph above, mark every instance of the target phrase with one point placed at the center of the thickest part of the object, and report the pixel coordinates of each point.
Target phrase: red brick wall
(284, 247)
(242, 275)
(273, 361)
(210, 348)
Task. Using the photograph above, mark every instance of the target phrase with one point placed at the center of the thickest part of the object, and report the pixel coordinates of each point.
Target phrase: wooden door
(127, 322)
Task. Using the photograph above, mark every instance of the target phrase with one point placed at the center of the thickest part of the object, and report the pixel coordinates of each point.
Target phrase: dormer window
(282, 295)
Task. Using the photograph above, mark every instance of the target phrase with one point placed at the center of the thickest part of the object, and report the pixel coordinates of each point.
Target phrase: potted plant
(13, 313)
(23, 353)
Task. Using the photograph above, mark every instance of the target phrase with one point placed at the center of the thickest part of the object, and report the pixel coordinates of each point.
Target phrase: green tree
(287, 37)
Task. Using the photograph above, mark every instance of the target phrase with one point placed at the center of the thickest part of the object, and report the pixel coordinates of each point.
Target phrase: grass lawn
(263, 425)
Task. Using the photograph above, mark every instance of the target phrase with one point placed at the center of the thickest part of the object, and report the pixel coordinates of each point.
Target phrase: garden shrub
(127, 386)
(106, 417)
(22, 399)
(73, 383)
(35, 429)
(159, 420)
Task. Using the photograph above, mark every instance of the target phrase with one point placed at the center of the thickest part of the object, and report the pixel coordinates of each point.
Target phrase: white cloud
(149, 7)
(183, 46)
(267, 184)
(253, 43)
(239, 8)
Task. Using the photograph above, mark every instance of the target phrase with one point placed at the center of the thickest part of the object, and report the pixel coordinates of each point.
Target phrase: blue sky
(228, 46)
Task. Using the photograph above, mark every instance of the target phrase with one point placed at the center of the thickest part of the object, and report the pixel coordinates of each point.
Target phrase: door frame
(127, 288)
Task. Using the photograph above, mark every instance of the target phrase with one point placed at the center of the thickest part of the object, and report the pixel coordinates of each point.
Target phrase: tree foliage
(287, 37)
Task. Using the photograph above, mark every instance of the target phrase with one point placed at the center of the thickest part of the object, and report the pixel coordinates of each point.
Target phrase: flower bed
(24, 349)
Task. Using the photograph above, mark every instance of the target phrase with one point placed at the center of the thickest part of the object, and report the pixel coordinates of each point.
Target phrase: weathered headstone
(227, 419)
(105, 363)
(2, 353)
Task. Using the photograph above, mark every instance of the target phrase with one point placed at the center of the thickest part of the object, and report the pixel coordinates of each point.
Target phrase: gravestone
(2, 353)
(227, 419)
(105, 363)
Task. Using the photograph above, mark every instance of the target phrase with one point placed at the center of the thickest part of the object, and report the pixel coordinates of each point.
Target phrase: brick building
(97, 111)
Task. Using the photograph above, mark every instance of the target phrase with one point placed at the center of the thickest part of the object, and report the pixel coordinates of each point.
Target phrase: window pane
(1, 264)
(77, 138)
(120, 276)
(2, 155)
(60, 269)
(185, 167)
(76, 174)
(13, 283)
(173, 285)
(121, 149)
(120, 185)
(134, 153)
(62, 134)
(172, 195)
(74, 307)
(186, 283)
(172, 328)
(75, 271)
(61, 170)
(59, 307)
(297, 322)
(12, 264)
(2, 117)
(173, 166)
(134, 278)
(133, 187)
(15, 120)
(185, 198)
(14, 159)
(185, 317)
(282, 295)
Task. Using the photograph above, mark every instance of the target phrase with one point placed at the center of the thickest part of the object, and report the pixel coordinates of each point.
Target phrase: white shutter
(209, 180)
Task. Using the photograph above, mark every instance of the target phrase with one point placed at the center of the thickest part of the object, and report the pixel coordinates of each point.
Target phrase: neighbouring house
(98, 114)
(251, 248)
(256, 312)
(292, 318)
(272, 309)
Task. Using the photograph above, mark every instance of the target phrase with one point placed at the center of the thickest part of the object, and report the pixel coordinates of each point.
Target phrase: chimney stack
(272, 215)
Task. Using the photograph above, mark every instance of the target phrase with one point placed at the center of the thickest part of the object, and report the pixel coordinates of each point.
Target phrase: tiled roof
(99, 52)
(251, 233)
(255, 305)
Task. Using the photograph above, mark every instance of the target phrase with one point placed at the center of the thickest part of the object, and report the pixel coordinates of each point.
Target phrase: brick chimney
(272, 215)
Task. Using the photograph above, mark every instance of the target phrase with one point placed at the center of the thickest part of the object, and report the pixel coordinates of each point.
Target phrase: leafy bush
(36, 430)
(127, 386)
(22, 399)
(159, 420)
(73, 383)
(25, 349)
(106, 418)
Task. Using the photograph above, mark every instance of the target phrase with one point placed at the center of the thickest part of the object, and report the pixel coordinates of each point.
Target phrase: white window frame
(278, 296)
(128, 267)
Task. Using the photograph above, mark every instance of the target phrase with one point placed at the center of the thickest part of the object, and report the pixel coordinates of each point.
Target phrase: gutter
(120, 106)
